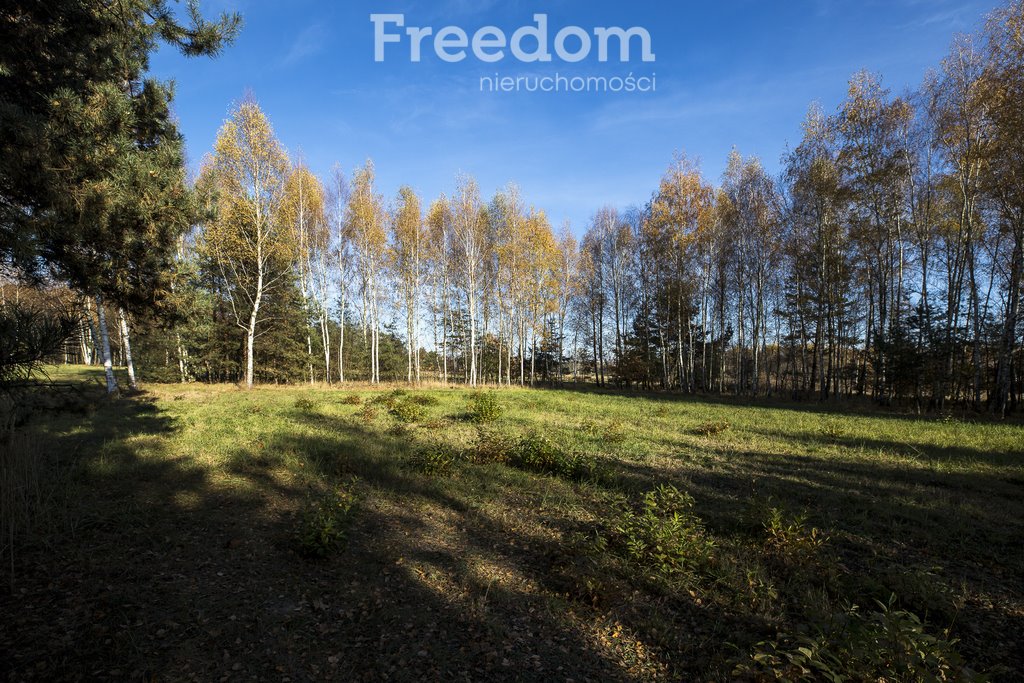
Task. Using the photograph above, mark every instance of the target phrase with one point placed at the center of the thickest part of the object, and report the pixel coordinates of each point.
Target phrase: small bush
(712, 428)
(435, 459)
(660, 534)
(368, 414)
(305, 404)
(832, 431)
(789, 535)
(484, 407)
(789, 542)
(407, 411)
(588, 427)
(491, 446)
(614, 432)
(425, 399)
(883, 645)
(400, 430)
(352, 400)
(324, 521)
(537, 453)
(388, 401)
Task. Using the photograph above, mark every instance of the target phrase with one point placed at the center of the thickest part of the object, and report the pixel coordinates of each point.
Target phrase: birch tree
(303, 210)
(365, 221)
(108, 362)
(407, 240)
(1004, 178)
(439, 230)
(248, 240)
(468, 224)
(337, 201)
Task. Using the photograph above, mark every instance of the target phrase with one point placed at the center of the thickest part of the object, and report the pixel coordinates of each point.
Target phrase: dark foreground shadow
(168, 565)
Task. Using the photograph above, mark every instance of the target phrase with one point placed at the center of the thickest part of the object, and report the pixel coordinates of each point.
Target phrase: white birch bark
(108, 366)
(127, 344)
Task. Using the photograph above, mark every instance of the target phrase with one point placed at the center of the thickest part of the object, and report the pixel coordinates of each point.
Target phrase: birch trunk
(127, 344)
(250, 335)
(108, 366)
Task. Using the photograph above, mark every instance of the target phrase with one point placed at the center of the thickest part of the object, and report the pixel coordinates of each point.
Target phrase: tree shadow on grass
(174, 568)
(916, 531)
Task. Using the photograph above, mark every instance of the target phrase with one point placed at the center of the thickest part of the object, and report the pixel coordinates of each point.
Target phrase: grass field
(209, 533)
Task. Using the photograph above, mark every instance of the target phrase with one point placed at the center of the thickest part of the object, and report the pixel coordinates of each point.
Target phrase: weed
(832, 430)
(882, 645)
(588, 427)
(305, 404)
(660, 534)
(29, 484)
(484, 407)
(388, 401)
(614, 432)
(491, 446)
(408, 411)
(712, 428)
(921, 589)
(324, 520)
(368, 414)
(434, 459)
(789, 536)
(537, 453)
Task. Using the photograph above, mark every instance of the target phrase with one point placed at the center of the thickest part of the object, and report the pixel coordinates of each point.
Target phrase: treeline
(884, 261)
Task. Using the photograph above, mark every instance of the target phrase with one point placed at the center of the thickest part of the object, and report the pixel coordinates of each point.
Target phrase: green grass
(814, 527)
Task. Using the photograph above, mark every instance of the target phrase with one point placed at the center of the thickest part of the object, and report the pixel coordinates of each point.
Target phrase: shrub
(368, 414)
(790, 537)
(832, 430)
(434, 459)
(921, 589)
(324, 521)
(661, 534)
(537, 453)
(407, 411)
(305, 404)
(400, 430)
(484, 407)
(388, 400)
(352, 399)
(882, 645)
(491, 446)
(614, 432)
(712, 428)
(788, 541)
(425, 399)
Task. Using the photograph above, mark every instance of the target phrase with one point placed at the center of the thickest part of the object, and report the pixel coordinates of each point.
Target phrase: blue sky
(729, 73)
